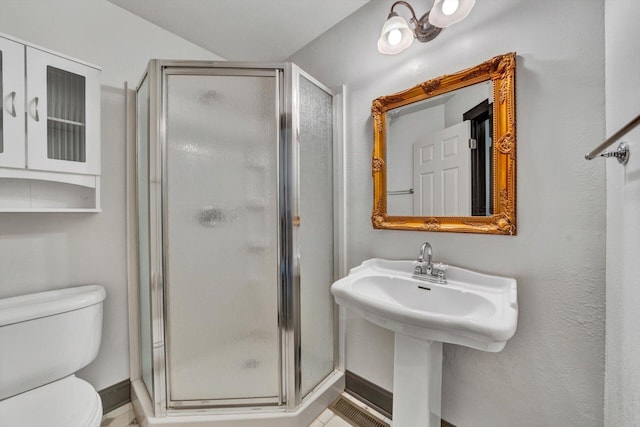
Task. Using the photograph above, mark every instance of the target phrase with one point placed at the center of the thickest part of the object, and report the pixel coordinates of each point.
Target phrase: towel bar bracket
(621, 153)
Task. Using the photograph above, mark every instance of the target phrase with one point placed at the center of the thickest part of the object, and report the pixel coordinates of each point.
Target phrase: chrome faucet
(424, 265)
(426, 269)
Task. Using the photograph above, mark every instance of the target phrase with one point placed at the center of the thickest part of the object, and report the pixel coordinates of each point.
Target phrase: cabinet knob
(13, 103)
(36, 100)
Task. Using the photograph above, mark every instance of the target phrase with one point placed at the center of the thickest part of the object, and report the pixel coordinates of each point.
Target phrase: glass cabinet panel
(66, 139)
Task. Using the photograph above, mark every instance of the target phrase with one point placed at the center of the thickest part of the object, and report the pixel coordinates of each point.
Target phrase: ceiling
(245, 30)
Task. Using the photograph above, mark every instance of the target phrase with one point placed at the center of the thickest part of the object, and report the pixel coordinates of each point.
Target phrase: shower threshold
(312, 405)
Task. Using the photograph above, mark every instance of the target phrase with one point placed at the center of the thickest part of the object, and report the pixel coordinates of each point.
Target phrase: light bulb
(394, 37)
(448, 12)
(449, 7)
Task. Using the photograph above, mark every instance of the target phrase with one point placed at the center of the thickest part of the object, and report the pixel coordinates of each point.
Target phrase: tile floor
(123, 417)
(329, 419)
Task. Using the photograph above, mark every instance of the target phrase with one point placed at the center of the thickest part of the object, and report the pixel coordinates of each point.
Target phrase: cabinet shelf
(89, 181)
(69, 122)
(59, 210)
(34, 191)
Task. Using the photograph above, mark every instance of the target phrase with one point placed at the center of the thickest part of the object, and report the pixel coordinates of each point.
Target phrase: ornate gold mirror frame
(501, 70)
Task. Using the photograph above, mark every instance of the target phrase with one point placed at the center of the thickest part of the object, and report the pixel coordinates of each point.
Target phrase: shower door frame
(286, 78)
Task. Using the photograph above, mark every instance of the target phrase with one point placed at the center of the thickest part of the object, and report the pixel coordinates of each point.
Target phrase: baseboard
(373, 395)
(115, 396)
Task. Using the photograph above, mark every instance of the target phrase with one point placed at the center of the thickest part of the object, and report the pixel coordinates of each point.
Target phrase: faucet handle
(440, 266)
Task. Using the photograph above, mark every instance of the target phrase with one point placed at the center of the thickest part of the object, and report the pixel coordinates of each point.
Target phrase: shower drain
(354, 414)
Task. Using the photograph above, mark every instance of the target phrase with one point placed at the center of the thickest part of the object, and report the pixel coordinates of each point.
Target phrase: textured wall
(97, 32)
(622, 379)
(42, 251)
(551, 372)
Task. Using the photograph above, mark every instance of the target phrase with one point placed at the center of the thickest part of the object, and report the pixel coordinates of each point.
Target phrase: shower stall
(235, 236)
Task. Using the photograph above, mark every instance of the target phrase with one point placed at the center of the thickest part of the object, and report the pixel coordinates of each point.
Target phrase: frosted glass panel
(144, 285)
(1, 109)
(65, 115)
(222, 262)
(316, 234)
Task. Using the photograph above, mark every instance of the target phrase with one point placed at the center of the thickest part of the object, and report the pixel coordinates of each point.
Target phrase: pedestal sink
(472, 309)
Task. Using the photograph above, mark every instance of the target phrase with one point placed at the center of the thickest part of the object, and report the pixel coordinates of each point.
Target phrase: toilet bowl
(44, 339)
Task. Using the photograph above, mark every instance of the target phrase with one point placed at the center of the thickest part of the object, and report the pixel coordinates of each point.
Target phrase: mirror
(444, 153)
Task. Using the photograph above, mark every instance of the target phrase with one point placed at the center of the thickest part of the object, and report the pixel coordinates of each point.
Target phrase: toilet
(44, 339)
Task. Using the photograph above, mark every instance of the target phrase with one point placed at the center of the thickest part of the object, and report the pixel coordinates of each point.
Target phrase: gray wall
(43, 251)
(622, 379)
(551, 372)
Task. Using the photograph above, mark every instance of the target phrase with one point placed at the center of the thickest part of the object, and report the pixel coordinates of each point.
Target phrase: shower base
(316, 402)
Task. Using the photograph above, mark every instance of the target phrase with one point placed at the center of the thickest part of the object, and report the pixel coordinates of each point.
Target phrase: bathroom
(573, 359)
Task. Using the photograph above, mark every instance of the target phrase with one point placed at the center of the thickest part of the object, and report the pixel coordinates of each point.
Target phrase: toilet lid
(69, 402)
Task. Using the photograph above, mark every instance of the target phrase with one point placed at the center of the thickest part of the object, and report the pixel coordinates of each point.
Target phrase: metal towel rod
(622, 153)
(399, 192)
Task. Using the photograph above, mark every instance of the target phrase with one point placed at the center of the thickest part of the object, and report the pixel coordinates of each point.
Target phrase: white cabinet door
(63, 114)
(12, 152)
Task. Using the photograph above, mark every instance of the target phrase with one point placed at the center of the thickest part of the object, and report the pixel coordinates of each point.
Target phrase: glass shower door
(316, 231)
(144, 251)
(221, 237)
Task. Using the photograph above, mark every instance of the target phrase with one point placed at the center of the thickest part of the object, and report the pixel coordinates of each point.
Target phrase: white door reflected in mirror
(439, 155)
(442, 173)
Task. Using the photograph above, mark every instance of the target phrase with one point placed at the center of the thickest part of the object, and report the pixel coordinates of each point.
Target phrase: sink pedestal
(417, 382)
(472, 309)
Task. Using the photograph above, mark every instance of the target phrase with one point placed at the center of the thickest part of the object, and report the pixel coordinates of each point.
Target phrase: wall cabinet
(49, 130)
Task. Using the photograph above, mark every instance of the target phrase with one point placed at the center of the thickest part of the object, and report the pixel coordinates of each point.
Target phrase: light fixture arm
(423, 31)
(404, 3)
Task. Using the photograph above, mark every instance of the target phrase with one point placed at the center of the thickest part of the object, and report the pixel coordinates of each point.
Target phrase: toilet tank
(48, 335)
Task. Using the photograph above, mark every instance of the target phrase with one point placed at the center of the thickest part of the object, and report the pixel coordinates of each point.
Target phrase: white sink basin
(472, 309)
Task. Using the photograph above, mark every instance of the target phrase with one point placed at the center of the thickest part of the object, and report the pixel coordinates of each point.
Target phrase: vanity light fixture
(396, 35)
